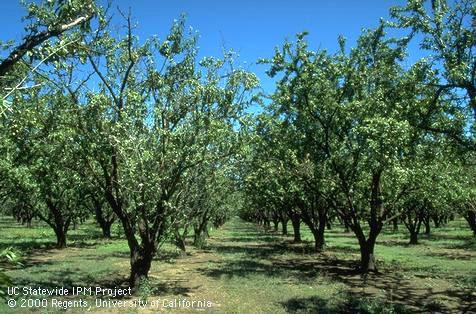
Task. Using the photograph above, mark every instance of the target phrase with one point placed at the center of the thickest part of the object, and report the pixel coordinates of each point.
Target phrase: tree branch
(32, 41)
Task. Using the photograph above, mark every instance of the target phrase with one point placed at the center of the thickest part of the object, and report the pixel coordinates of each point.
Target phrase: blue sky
(251, 28)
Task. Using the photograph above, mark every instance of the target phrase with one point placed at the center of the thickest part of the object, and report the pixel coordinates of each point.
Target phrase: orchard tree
(269, 176)
(428, 185)
(158, 115)
(448, 32)
(48, 20)
(356, 112)
(43, 162)
(214, 201)
(93, 199)
(206, 199)
(370, 133)
(463, 187)
(53, 33)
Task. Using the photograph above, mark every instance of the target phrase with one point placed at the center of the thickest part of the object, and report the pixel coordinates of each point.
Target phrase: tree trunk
(414, 225)
(59, 223)
(180, 243)
(284, 227)
(319, 241)
(346, 227)
(106, 229)
(426, 221)
(200, 232)
(197, 239)
(105, 221)
(266, 223)
(276, 225)
(199, 236)
(180, 239)
(141, 259)
(471, 218)
(395, 225)
(413, 238)
(367, 258)
(60, 238)
(296, 221)
(141, 255)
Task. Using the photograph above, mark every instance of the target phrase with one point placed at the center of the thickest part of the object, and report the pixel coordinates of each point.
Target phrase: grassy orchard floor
(244, 269)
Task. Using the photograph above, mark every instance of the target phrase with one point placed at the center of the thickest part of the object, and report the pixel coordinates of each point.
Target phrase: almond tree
(49, 20)
(447, 31)
(157, 116)
(355, 113)
(43, 159)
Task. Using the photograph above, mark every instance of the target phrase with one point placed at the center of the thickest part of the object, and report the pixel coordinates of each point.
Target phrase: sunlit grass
(244, 267)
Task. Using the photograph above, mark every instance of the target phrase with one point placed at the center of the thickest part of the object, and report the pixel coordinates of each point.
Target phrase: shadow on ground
(261, 253)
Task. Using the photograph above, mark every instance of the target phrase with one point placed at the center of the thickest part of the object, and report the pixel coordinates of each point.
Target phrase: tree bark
(141, 260)
(60, 238)
(104, 220)
(296, 221)
(106, 229)
(59, 222)
(413, 237)
(284, 227)
(471, 219)
(31, 41)
(317, 230)
(180, 243)
(180, 239)
(141, 255)
(395, 225)
(105, 225)
(413, 219)
(367, 257)
(319, 240)
(199, 236)
(426, 221)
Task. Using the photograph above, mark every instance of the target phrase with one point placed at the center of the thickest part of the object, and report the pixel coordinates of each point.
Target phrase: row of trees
(143, 134)
(138, 132)
(360, 136)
